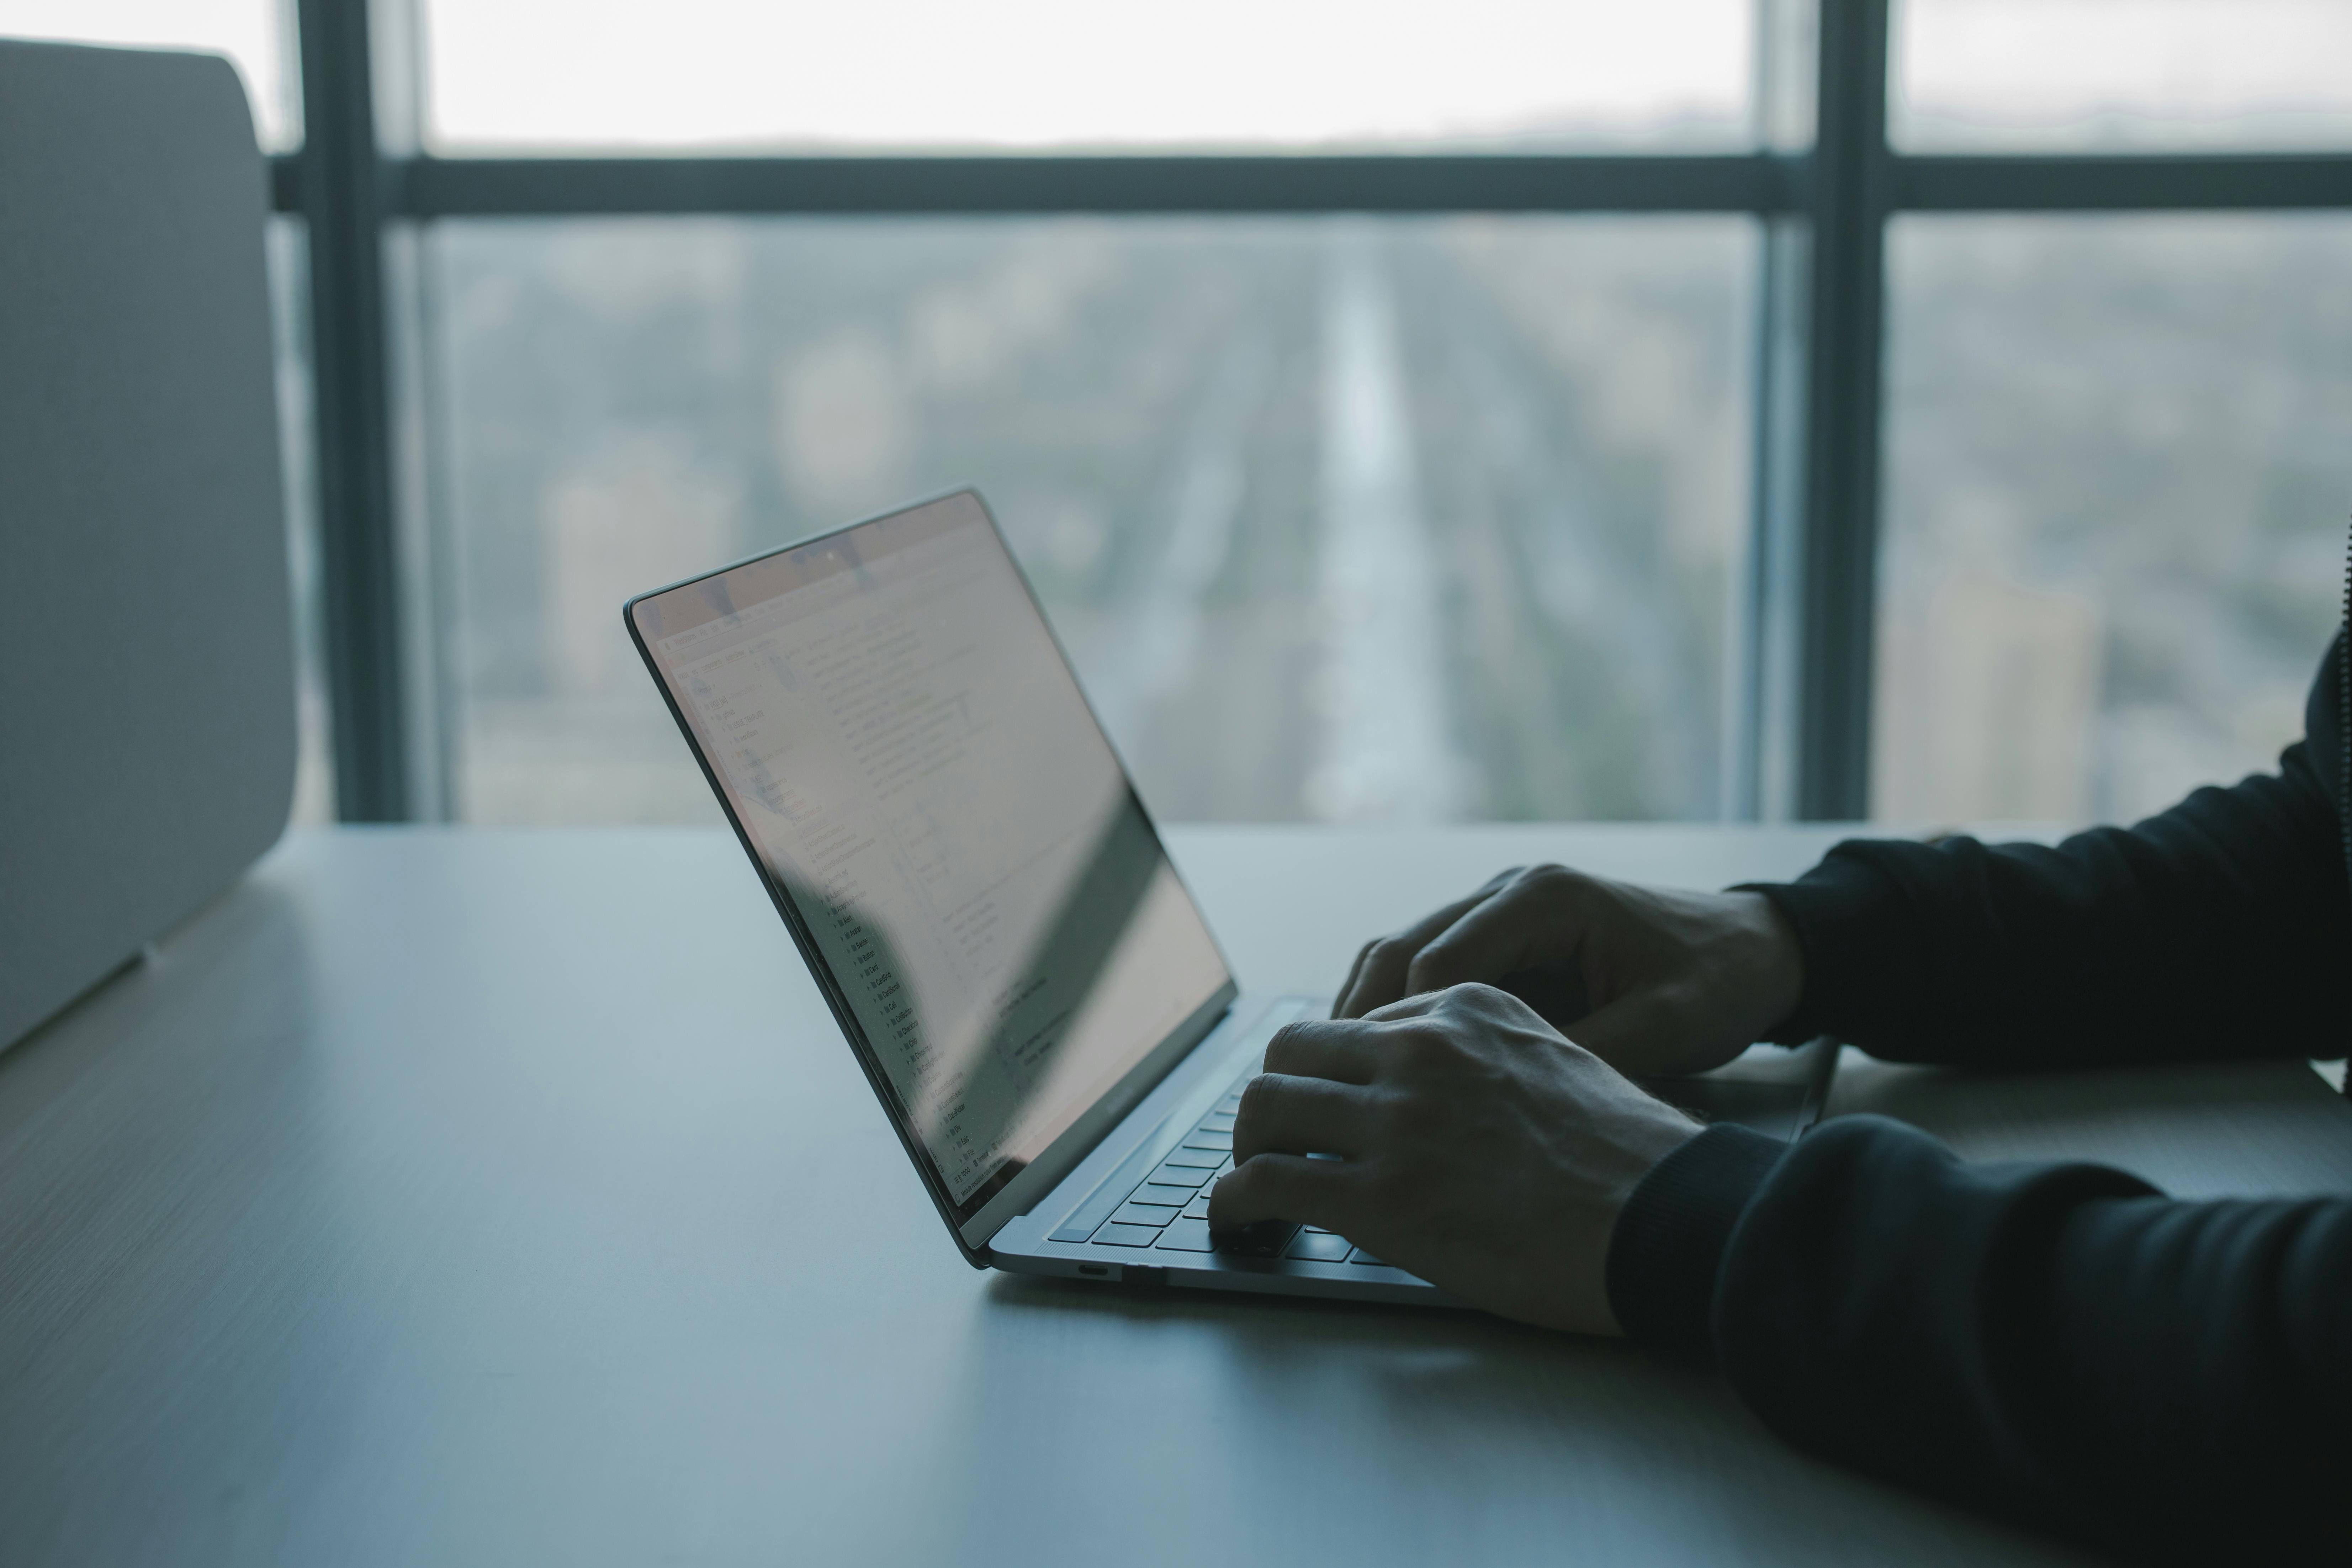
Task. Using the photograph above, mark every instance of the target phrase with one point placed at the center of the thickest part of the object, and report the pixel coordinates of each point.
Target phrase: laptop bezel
(1109, 1109)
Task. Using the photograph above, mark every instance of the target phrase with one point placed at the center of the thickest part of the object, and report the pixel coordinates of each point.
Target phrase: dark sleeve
(2220, 928)
(2059, 1344)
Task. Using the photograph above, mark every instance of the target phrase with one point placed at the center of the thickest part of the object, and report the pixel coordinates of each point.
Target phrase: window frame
(1803, 695)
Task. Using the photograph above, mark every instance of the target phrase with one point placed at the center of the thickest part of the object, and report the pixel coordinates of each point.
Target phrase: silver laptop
(911, 765)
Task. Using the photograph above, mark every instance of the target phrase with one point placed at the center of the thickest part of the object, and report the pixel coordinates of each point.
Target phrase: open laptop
(908, 758)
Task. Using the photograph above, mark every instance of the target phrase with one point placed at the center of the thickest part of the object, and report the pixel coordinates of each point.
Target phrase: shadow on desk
(1476, 1438)
(2270, 1129)
(1383, 1432)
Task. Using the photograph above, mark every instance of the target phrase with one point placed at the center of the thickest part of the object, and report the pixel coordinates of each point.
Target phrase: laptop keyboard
(1169, 1209)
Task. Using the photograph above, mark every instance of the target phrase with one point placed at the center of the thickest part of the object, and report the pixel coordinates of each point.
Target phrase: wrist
(1776, 960)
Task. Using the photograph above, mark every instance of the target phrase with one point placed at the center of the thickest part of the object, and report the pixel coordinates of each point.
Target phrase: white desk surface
(501, 1197)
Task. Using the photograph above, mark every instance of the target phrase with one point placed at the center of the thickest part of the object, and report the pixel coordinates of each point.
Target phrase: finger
(1334, 1050)
(1410, 1008)
(1300, 1116)
(1381, 976)
(1285, 1186)
(1380, 969)
(1660, 1031)
(1646, 1032)
(1527, 925)
(1354, 969)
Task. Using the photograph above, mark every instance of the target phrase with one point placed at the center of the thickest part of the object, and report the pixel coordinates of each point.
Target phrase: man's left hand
(1477, 1148)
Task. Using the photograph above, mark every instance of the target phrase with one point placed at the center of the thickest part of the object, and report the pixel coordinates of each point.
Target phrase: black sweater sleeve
(2056, 1344)
(2060, 1343)
(2220, 928)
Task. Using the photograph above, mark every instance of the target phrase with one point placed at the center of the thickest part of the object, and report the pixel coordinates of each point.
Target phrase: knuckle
(1430, 968)
(1475, 997)
(1557, 884)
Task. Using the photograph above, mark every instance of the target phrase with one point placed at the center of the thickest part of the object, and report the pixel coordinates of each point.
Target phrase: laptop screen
(908, 754)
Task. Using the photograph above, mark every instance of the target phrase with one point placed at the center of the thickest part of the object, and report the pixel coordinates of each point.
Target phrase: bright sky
(747, 73)
(2052, 62)
(723, 72)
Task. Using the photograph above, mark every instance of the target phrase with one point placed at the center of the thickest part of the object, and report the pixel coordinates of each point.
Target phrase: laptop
(1053, 1030)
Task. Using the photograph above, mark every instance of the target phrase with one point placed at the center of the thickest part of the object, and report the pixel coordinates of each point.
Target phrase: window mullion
(341, 176)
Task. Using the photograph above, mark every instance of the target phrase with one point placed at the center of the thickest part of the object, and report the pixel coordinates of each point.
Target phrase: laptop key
(1175, 1175)
(1319, 1246)
(1186, 1236)
(1197, 1209)
(1165, 1197)
(1143, 1214)
(1118, 1234)
(1360, 1256)
(1266, 1238)
(1202, 1159)
(1221, 1141)
(1217, 1121)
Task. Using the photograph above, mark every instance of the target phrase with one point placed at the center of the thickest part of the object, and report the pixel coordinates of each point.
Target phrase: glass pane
(542, 74)
(2116, 507)
(257, 35)
(2068, 74)
(1342, 519)
(289, 310)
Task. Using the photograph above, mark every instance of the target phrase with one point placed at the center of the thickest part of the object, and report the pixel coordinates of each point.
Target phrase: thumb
(1650, 1032)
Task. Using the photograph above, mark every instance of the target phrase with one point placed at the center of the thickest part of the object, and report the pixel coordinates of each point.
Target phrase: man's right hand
(1651, 980)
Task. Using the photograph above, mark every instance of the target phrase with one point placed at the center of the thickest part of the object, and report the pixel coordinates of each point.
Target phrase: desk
(504, 1197)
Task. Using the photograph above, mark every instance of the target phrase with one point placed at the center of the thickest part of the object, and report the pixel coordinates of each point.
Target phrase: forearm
(2055, 1344)
(2217, 929)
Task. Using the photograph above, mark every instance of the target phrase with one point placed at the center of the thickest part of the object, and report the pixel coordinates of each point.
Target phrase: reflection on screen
(901, 740)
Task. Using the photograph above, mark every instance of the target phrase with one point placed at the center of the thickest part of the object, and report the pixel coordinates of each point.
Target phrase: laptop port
(1094, 1270)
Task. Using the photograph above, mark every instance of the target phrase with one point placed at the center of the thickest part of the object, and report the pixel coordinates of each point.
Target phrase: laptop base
(1775, 1090)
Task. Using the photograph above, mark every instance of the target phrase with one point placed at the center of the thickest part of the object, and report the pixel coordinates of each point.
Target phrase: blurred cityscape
(2117, 491)
(1396, 521)
(1337, 520)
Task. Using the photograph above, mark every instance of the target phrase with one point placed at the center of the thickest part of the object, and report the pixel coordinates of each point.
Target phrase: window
(1709, 407)
(2117, 486)
(1339, 519)
(2067, 75)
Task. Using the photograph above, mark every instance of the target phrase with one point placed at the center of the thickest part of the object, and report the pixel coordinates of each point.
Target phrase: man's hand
(1477, 1148)
(1649, 980)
